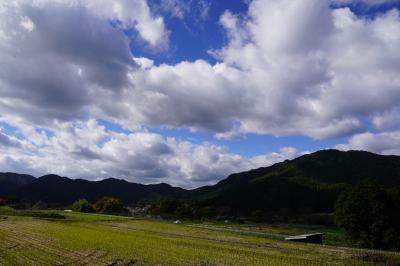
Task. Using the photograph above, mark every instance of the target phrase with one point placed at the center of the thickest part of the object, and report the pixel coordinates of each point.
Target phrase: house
(315, 238)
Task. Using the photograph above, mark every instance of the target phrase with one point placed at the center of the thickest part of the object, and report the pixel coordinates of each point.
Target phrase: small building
(315, 238)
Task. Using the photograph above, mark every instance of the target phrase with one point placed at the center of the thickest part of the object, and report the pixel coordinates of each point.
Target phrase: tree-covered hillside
(311, 182)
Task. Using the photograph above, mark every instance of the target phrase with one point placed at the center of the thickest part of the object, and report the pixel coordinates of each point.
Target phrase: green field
(91, 239)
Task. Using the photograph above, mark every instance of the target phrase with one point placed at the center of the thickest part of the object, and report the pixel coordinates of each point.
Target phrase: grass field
(90, 239)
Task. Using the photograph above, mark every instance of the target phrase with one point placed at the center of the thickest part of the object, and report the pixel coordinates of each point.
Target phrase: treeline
(106, 205)
(174, 208)
(370, 214)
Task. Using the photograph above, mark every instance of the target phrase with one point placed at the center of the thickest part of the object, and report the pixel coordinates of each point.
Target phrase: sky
(186, 92)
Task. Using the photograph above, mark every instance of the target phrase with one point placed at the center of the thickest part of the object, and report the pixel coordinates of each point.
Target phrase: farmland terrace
(44, 238)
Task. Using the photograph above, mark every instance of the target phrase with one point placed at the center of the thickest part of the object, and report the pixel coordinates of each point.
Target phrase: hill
(11, 181)
(54, 189)
(310, 182)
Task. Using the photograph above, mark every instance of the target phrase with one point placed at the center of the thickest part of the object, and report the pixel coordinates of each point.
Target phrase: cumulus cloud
(85, 149)
(387, 143)
(134, 13)
(60, 58)
(126, 13)
(290, 67)
(388, 120)
(365, 2)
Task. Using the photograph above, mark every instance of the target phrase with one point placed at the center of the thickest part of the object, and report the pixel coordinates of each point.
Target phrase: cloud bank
(89, 150)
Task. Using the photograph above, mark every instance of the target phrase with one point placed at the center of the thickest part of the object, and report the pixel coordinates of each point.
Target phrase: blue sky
(192, 37)
(187, 92)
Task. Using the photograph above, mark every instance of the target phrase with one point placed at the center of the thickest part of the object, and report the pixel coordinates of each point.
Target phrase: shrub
(110, 205)
(82, 205)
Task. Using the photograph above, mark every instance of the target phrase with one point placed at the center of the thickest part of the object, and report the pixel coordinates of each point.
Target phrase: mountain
(11, 181)
(310, 182)
(54, 189)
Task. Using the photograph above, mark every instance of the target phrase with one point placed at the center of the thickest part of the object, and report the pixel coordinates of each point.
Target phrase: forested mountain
(54, 189)
(312, 181)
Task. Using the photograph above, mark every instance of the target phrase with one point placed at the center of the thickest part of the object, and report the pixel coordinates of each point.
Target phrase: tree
(168, 205)
(82, 205)
(207, 212)
(110, 205)
(369, 216)
(183, 211)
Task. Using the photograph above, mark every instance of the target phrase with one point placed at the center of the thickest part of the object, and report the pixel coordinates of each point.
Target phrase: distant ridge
(54, 189)
(11, 181)
(312, 182)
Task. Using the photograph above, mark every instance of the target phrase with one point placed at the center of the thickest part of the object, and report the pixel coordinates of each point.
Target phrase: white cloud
(387, 143)
(196, 9)
(27, 24)
(388, 120)
(57, 59)
(366, 2)
(285, 153)
(129, 13)
(177, 8)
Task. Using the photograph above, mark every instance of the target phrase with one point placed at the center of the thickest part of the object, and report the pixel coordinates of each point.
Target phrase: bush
(110, 205)
(82, 205)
